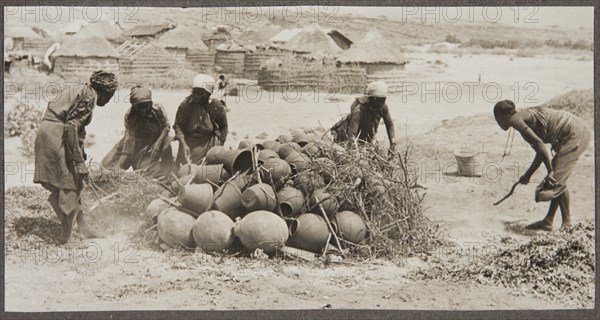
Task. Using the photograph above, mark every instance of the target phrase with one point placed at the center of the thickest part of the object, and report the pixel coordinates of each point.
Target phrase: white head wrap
(205, 82)
(377, 89)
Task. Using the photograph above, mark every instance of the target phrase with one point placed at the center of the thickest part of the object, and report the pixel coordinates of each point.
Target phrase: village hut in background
(283, 36)
(181, 42)
(74, 27)
(147, 33)
(258, 35)
(19, 36)
(109, 30)
(313, 40)
(144, 58)
(216, 37)
(82, 54)
(230, 58)
(382, 60)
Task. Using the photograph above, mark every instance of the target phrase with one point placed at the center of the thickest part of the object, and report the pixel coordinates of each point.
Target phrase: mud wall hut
(230, 58)
(313, 40)
(254, 61)
(81, 54)
(181, 41)
(144, 58)
(216, 37)
(20, 35)
(381, 59)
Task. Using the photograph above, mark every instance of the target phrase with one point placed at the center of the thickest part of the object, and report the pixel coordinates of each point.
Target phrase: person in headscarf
(146, 144)
(59, 149)
(200, 122)
(365, 115)
(568, 136)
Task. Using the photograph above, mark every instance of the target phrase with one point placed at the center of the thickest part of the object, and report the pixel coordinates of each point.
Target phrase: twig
(508, 194)
(331, 231)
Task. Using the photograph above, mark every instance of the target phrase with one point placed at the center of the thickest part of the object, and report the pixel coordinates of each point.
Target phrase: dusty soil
(97, 278)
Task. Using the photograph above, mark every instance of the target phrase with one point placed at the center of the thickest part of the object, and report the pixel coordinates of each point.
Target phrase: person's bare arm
(542, 155)
(389, 125)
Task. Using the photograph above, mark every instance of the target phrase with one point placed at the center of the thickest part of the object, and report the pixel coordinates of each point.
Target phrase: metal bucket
(470, 163)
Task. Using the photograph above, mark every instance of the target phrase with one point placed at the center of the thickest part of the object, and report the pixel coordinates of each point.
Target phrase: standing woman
(200, 122)
(59, 154)
(146, 144)
(569, 137)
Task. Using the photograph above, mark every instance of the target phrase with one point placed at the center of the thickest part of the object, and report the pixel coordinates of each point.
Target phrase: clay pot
(283, 138)
(262, 230)
(228, 199)
(196, 197)
(308, 182)
(210, 173)
(328, 202)
(150, 215)
(325, 167)
(259, 197)
(237, 160)
(174, 228)
(312, 149)
(266, 154)
(309, 232)
(183, 180)
(275, 171)
(242, 180)
(301, 139)
(213, 231)
(287, 149)
(271, 145)
(298, 162)
(291, 201)
(214, 155)
(186, 169)
(350, 226)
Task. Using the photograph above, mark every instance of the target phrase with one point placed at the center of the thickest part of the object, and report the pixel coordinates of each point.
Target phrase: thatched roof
(147, 30)
(235, 46)
(181, 37)
(84, 44)
(259, 35)
(285, 35)
(105, 29)
(312, 39)
(373, 48)
(25, 32)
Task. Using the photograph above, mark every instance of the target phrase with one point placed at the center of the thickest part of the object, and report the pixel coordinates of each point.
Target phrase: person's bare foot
(565, 227)
(540, 225)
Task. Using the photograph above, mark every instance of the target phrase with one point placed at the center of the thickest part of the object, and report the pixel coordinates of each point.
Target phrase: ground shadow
(518, 227)
(46, 229)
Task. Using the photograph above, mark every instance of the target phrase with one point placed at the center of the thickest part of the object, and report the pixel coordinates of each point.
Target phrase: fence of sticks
(364, 181)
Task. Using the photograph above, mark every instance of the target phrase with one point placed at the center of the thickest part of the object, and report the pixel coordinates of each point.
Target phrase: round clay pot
(301, 139)
(174, 228)
(291, 201)
(271, 145)
(298, 162)
(328, 202)
(350, 226)
(325, 168)
(228, 199)
(287, 149)
(262, 230)
(283, 138)
(150, 215)
(186, 169)
(266, 154)
(275, 171)
(183, 180)
(312, 149)
(214, 155)
(213, 231)
(308, 182)
(237, 160)
(196, 197)
(309, 232)
(259, 197)
(213, 173)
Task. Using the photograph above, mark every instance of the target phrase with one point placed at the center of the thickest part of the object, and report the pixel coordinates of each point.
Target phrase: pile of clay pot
(260, 193)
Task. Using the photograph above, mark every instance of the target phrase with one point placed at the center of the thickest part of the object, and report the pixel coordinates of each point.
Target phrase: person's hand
(154, 151)
(187, 152)
(550, 181)
(81, 171)
(525, 179)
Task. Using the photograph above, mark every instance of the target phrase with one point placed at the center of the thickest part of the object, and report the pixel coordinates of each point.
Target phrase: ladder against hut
(144, 58)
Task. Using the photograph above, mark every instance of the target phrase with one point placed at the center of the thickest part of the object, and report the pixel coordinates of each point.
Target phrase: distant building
(147, 32)
(82, 54)
(19, 35)
(180, 42)
(144, 58)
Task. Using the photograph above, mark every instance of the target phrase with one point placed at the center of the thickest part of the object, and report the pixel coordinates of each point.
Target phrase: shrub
(22, 118)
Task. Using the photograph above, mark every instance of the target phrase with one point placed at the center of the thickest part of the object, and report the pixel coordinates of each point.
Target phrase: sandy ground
(99, 279)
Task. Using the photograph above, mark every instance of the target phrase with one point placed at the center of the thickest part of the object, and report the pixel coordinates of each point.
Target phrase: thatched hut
(81, 54)
(284, 36)
(109, 30)
(181, 41)
(217, 37)
(313, 40)
(230, 58)
(382, 60)
(148, 32)
(144, 58)
(19, 36)
(258, 35)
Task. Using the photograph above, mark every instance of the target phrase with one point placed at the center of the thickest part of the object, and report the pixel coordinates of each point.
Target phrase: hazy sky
(571, 17)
